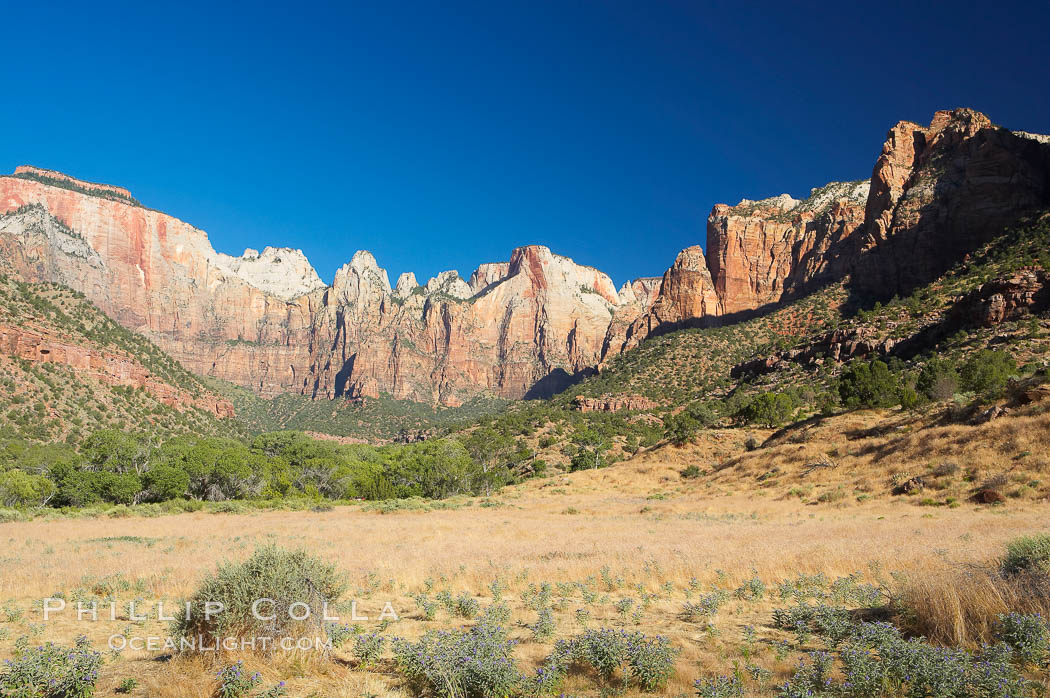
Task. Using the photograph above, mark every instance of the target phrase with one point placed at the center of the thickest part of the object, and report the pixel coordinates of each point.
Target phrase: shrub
(127, 685)
(474, 663)
(769, 409)
(705, 607)
(52, 671)
(165, 482)
(1027, 554)
(719, 687)
(234, 683)
(466, 606)
(690, 472)
(938, 379)
(605, 650)
(21, 489)
(809, 679)
(1027, 634)
(649, 661)
(987, 371)
(368, 648)
(862, 672)
(680, 428)
(285, 577)
(543, 628)
(338, 634)
(868, 385)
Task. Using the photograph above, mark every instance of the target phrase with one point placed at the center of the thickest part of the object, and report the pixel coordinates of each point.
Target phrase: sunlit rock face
(528, 325)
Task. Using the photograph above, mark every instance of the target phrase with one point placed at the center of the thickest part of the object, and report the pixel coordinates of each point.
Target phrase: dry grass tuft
(960, 605)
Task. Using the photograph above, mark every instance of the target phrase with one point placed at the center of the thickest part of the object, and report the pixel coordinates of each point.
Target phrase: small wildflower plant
(473, 663)
(52, 671)
(234, 682)
(647, 661)
(544, 626)
(368, 648)
(719, 687)
(275, 691)
(127, 685)
(1028, 635)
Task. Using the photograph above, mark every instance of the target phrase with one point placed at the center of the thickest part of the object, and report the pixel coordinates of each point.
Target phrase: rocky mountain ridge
(528, 326)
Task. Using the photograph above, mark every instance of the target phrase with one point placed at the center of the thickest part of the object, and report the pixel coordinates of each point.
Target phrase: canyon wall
(529, 325)
(265, 320)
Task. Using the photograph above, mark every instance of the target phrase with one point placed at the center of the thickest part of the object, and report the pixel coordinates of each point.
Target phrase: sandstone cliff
(266, 321)
(42, 345)
(526, 326)
(936, 193)
(940, 192)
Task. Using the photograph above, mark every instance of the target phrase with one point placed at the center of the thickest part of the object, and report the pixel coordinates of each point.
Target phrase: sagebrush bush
(1027, 554)
(286, 577)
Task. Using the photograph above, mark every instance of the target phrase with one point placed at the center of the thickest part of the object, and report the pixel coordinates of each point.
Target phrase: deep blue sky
(440, 135)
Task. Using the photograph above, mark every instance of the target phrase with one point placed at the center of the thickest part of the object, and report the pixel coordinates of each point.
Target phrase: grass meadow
(703, 561)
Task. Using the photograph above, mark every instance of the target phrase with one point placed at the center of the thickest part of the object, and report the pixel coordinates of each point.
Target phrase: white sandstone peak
(279, 271)
(449, 283)
(406, 284)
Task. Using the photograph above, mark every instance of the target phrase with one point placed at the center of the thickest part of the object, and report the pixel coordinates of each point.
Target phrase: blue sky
(440, 135)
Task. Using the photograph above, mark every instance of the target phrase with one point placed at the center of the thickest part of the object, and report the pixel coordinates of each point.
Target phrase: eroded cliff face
(940, 192)
(532, 323)
(266, 321)
(936, 193)
(762, 251)
(43, 345)
(526, 326)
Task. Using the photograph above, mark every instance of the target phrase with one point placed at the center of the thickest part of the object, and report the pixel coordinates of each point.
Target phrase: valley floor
(635, 531)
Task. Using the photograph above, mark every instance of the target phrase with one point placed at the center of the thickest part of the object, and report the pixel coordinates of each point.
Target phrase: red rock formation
(525, 326)
(1010, 298)
(761, 251)
(111, 368)
(839, 345)
(613, 403)
(940, 192)
(686, 296)
(522, 327)
(936, 194)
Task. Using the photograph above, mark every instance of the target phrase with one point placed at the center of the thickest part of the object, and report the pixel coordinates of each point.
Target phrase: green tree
(165, 481)
(770, 409)
(938, 380)
(869, 384)
(592, 444)
(680, 428)
(21, 489)
(987, 371)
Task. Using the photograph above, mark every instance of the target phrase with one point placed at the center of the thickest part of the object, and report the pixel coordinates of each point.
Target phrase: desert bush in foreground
(1028, 635)
(473, 663)
(1027, 554)
(964, 606)
(52, 671)
(648, 661)
(281, 576)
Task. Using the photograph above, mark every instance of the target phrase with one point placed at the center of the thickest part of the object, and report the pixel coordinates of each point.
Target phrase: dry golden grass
(959, 605)
(639, 519)
(873, 451)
